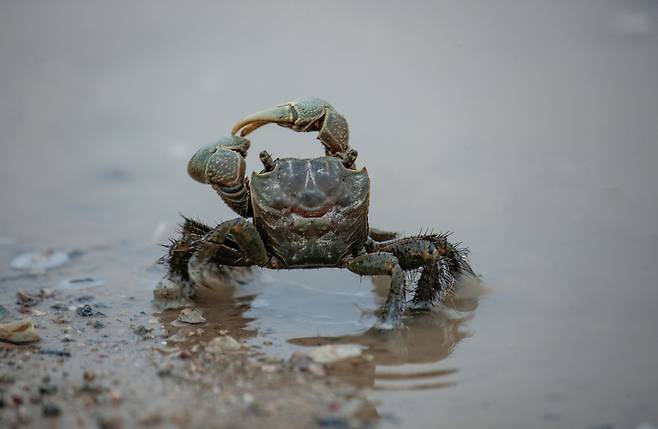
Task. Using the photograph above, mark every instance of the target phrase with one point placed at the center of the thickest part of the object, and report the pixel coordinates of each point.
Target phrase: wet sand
(528, 130)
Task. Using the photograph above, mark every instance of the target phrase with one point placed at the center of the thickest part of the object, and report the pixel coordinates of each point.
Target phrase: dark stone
(85, 311)
(51, 410)
(47, 389)
(52, 352)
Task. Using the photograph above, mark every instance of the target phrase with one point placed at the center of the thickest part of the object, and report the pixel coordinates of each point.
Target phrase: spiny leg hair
(439, 261)
(181, 250)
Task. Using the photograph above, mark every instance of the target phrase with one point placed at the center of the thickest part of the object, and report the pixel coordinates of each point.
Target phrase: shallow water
(528, 129)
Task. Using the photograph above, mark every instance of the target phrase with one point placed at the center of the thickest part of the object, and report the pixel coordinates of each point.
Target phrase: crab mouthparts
(312, 226)
(310, 213)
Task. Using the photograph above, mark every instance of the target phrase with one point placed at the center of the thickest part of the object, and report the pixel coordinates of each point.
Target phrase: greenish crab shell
(311, 212)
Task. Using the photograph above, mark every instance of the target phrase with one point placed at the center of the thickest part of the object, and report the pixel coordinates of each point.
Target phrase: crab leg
(234, 242)
(380, 235)
(435, 283)
(421, 250)
(441, 262)
(310, 114)
(382, 263)
(410, 251)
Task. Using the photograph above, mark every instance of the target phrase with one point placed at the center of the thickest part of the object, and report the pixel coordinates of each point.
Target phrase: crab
(307, 213)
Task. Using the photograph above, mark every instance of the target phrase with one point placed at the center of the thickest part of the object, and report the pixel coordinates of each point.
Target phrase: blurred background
(530, 128)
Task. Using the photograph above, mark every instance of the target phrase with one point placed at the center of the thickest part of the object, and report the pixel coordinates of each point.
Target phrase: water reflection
(224, 309)
(407, 358)
(399, 359)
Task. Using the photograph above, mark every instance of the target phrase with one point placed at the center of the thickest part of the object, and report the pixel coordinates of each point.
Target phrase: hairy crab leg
(234, 242)
(441, 263)
(418, 251)
(380, 235)
(411, 252)
(382, 263)
(238, 234)
(435, 283)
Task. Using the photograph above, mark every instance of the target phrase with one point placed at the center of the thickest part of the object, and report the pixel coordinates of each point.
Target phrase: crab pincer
(222, 165)
(305, 115)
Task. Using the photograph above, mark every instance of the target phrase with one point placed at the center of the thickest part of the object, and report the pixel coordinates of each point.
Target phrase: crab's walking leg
(234, 242)
(181, 249)
(412, 252)
(176, 287)
(380, 235)
(441, 263)
(382, 263)
(435, 283)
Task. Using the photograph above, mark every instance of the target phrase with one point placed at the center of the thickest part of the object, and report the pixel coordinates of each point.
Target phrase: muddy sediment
(107, 357)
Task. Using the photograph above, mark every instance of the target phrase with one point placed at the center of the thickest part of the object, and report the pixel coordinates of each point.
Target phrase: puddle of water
(318, 308)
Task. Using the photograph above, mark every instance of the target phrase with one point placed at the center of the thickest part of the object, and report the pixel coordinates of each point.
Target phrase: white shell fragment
(222, 344)
(191, 315)
(40, 261)
(19, 331)
(334, 353)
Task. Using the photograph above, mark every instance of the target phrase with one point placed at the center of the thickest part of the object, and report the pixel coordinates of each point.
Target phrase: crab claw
(221, 163)
(309, 114)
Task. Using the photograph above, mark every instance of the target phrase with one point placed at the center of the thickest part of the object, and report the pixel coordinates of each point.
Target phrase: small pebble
(88, 375)
(80, 283)
(109, 422)
(19, 331)
(165, 372)
(143, 331)
(27, 299)
(47, 389)
(51, 410)
(116, 397)
(222, 344)
(3, 312)
(333, 353)
(60, 306)
(191, 316)
(85, 311)
(6, 378)
(52, 352)
(333, 422)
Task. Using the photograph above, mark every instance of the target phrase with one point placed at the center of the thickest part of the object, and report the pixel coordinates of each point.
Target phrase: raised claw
(223, 166)
(221, 163)
(310, 114)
